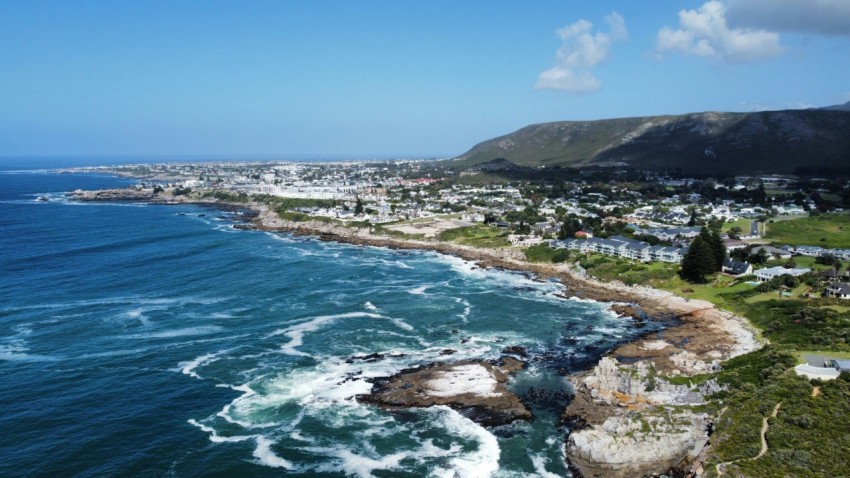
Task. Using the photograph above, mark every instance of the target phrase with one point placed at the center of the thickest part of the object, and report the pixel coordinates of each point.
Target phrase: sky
(363, 79)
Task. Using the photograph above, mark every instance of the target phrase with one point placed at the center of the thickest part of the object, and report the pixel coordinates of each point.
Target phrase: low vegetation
(477, 236)
(825, 230)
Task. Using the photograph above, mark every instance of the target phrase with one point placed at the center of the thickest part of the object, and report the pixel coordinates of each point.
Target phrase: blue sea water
(142, 340)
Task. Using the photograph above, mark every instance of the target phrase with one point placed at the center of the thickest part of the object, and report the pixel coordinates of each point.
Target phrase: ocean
(145, 340)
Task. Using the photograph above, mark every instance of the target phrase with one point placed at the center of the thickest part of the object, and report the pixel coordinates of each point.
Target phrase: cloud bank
(819, 17)
(704, 32)
(580, 51)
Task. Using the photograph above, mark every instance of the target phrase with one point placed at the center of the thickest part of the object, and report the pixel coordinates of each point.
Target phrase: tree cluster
(704, 258)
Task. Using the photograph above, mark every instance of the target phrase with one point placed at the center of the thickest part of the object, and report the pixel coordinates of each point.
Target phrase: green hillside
(761, 142)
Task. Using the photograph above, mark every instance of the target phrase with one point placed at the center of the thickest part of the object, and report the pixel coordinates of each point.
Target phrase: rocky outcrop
(638, 444)
(476, 389)
(627, 423)
(637, 386)
(129, 194)
(626, 310)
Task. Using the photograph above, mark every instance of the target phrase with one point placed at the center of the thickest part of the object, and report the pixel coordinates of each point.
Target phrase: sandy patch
(654, 345)
(429, 228)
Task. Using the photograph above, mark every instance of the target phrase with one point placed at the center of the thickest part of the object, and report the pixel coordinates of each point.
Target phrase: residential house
(733, 244)
(840, 290)
(813, 251)
(524, 240)
(768, 273)
(771, 252)
(736, 268)
(812, 372)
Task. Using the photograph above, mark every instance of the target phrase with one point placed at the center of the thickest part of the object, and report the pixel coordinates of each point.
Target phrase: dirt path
(764, 427)
(721, 467)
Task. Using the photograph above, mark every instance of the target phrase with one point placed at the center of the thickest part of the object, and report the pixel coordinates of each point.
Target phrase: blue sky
(382, 79)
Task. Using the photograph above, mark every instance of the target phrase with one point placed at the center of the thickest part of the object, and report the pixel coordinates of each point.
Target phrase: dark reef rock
(474, 388)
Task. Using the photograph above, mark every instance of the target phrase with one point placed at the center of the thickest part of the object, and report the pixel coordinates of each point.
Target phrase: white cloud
(704, 32)
(822, 17)
(580, 51)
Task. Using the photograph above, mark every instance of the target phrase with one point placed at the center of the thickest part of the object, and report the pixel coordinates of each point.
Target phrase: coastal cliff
(628, 421)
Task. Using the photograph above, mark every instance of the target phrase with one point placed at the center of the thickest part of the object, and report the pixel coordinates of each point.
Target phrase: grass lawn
(838, 355)
(809, 262)
(629, 272)
(795, 293)
(478, 236)
(713, 291)
(741, 223)
(838, 308)
(826, 230)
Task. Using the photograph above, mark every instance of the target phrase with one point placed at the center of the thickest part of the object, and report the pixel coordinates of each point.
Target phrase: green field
(741, 223)
(478, 236)
(827, 230)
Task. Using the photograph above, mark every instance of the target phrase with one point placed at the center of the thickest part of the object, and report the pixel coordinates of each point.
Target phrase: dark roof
(840, 288)
(735, 267)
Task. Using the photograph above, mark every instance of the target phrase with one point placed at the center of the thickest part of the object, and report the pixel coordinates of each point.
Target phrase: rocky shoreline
(626, 419)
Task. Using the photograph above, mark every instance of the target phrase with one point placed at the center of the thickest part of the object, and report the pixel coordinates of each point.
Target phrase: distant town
(639, 216)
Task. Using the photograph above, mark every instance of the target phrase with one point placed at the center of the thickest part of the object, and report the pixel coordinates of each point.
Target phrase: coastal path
(765, 426)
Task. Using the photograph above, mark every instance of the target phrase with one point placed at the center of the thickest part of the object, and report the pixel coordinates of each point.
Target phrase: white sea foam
(369, 306)
(402, 324)
(608, 331)
(188, 367)
(267, 457)
(467, 308)
(296, 332)
(17, 353)
(539, 462)
(359, 465)
(186, 332)
(263, 453)
(419, 290)
(131, 300)
(480, 463)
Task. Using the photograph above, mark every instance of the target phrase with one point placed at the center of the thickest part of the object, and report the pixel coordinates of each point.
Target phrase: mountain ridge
(766, 141)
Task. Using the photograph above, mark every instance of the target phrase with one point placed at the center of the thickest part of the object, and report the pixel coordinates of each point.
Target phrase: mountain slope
(770, 141)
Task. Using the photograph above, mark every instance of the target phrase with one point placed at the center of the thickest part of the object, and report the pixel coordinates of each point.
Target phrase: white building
(768, 273)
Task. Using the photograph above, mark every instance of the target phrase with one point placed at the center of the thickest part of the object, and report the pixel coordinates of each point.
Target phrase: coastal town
(588, 214)
(754, 269)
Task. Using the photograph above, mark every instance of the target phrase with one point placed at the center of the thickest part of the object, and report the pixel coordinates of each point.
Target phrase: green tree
(692, 221)
(718, 249)
(699, 262)
(358, 207)
(570, 227)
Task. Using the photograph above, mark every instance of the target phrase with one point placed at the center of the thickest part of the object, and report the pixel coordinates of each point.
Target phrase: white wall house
(769, 273)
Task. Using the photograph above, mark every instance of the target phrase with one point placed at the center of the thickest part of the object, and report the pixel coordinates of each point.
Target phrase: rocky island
(476, 389)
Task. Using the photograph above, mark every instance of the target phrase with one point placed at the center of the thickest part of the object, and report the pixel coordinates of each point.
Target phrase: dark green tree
(699, 262)
(570, 227)
(693, 219)
(358, 207)
(718, 249)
